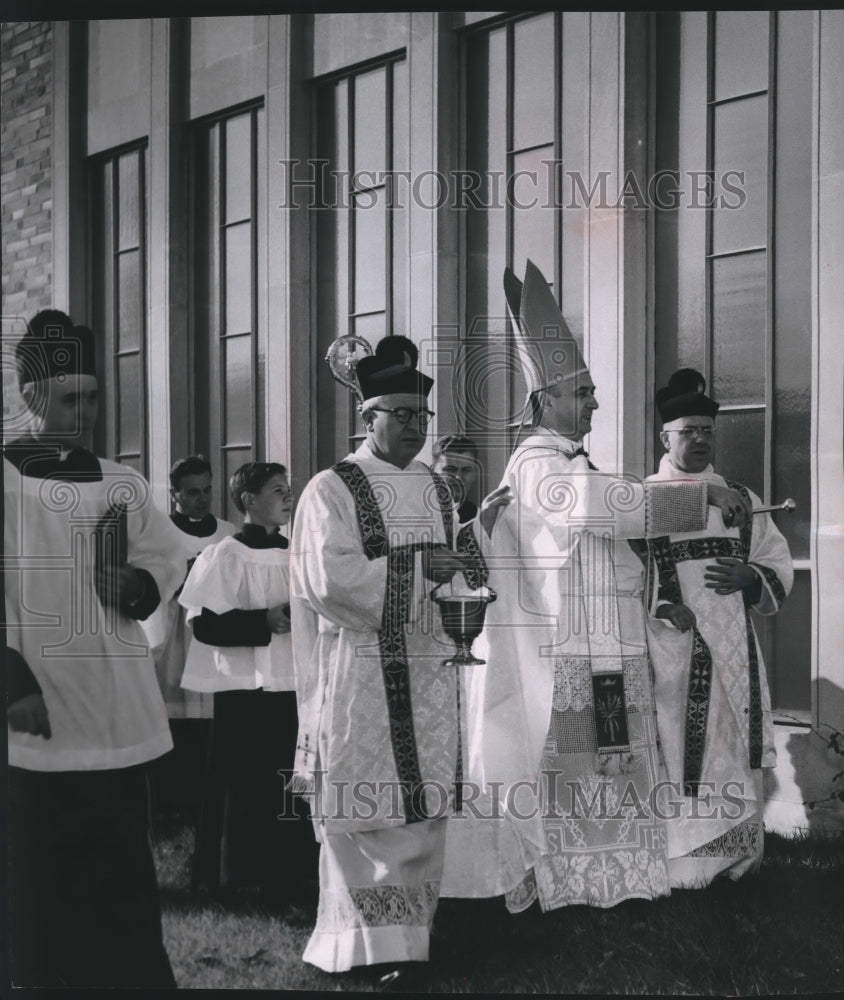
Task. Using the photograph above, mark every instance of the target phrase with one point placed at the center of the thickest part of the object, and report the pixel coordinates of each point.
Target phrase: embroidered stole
(596, 615)
(595, 573)
(391, 637)
(755, 713)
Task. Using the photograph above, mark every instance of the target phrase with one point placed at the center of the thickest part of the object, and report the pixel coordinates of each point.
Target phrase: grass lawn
(781, 931)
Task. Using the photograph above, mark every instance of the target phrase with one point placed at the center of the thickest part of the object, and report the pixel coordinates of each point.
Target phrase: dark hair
(455, 443)
(252, 478)
(193, 465)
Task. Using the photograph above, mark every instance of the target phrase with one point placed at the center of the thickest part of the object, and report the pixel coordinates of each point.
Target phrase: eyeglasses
(405, 415)
(689, 432)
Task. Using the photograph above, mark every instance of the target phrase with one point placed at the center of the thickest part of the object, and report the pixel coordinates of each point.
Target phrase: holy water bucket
(463, 620)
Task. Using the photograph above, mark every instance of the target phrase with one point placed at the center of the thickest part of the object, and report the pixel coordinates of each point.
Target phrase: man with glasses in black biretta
(712, 699)
(378, 730)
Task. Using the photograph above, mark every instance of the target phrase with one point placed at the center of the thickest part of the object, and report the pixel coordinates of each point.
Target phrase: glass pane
(789, 658)
(340, 161)
(341, 151)
(370, 252)
(792, 418)
(740, 217)
(130, 415)
(486, 161)
(132, 461)
(533, 81)
(239, 168)
(238, 268)
(482, 392)
(399, 216)
(333, 268)
(370, 124)
(400, 118)
(531, 193)
(129, 301)
(738, 328)
(741, 52)
(371, 328)
(793, 280)
(237, 367)
(574, 141)
(332, 244)
(332, 223)
(487, 366)
(206, 238)
(103, 260)
(208, 229)
(740, 449)
(232, 461)
(129, 232)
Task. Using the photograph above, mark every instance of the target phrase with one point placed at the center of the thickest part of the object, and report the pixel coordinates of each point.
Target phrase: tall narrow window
(733, 288)
(737, 252)
(225, 294)
(361, 227)
(117, 199)
(513, 146)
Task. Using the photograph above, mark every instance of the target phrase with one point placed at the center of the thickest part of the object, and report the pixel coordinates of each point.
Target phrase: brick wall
(26, 81)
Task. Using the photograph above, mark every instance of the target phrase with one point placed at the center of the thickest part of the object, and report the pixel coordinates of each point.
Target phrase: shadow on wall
(806, 767)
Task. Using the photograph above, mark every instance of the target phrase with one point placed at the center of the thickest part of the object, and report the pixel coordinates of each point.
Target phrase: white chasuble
(563, 733)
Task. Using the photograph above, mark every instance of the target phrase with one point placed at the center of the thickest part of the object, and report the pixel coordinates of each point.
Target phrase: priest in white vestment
(713, 704)
(562, 726)
(378, 733)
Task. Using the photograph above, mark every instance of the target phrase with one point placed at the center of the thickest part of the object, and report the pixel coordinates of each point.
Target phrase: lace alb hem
(377, 906)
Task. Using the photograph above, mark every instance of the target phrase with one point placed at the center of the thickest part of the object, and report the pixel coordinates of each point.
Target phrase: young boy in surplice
(168, 633)
(251, 831)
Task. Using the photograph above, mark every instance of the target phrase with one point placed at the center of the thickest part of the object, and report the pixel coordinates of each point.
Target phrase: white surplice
(171, 640)
(232, 576)
(92, 662)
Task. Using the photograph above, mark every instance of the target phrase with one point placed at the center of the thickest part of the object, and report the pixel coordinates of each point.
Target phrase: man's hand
(679, 615)
(492, 505)
(118, 587)
(278, 619)
(728, 574)
(441, 564)
(735, 510)
(29, 715)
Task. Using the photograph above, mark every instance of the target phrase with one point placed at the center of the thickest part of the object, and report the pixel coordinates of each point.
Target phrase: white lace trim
(573, 683)
(742, 841)
(377, 906)
(675, 508)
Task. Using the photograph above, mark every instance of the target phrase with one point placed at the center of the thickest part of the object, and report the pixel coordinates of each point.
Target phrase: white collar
(667, 470)
(366, 455)
(558, 442)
